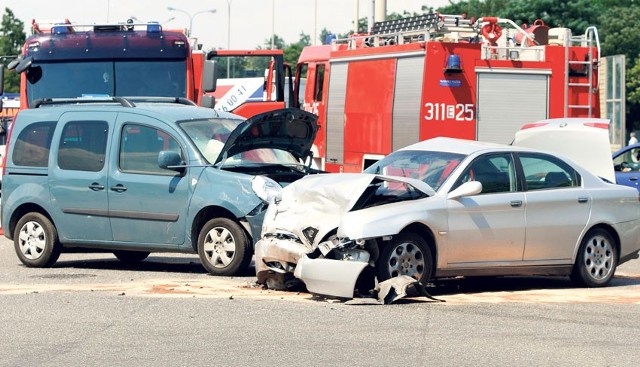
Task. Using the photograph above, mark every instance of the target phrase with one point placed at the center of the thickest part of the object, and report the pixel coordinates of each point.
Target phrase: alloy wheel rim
(598, 258)
(219, 247)
(406, 259)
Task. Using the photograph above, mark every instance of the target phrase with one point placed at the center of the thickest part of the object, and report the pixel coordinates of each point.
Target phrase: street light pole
(229, 37)
(191, 16)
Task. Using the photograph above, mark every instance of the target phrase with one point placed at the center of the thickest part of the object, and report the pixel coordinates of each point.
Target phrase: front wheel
(407, 254)
(36, 241)
(223, 247)
(597, 259)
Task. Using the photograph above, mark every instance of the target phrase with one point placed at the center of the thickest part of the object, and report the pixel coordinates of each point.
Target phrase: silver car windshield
(431, 167)
(210, 136)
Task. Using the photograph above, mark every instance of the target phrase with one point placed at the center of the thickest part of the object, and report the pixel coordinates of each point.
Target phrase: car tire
(36, 241)
(596, 260)
(223, 247)
(131, 257)
(406, 254)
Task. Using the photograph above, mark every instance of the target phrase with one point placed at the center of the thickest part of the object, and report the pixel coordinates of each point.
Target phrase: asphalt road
(91, 310)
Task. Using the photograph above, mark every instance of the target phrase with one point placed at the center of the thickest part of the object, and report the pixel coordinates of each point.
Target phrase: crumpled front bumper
(276, 257)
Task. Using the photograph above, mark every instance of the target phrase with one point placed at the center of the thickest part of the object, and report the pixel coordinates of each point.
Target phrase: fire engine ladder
(588, 39)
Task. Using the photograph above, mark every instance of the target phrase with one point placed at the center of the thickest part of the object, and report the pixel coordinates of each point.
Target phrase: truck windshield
(165, 78)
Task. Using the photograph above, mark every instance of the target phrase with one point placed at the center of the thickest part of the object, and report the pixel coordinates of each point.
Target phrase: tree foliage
(12, 38)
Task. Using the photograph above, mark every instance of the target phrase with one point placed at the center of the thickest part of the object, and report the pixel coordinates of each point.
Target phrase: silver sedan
(447, 207)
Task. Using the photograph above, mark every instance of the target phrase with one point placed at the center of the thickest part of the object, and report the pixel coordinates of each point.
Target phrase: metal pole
(229, 37)
(273, 24)
(355, 19)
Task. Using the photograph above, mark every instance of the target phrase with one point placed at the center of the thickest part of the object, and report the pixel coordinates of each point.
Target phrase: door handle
(583, 200)
(633, 178)
(516, 203)
(96, 186)
(118, 188)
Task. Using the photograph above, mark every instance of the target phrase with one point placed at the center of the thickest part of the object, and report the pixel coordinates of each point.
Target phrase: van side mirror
(169, 159)
(207, 101)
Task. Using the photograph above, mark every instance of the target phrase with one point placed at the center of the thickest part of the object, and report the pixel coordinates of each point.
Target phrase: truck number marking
(443, 111)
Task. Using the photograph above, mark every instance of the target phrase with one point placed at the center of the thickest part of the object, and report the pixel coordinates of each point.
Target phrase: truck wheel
(407, 254)
(597, 259)
(36, 241)
(223, 247)
(131, 257)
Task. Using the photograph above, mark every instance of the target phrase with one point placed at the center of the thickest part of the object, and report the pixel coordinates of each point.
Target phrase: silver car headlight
(267, 189)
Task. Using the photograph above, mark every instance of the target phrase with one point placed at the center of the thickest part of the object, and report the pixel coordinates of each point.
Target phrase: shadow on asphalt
(472, 285)
(160, 264)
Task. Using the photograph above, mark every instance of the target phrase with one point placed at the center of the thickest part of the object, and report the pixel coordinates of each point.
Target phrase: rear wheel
(597, 259)
(131, 257)
(407, 254)
(223, 247)
(36, 241)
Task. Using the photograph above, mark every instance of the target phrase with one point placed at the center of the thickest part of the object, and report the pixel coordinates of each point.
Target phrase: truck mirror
(24, 64)
(12, 65)
(209, 76)
(1, 81)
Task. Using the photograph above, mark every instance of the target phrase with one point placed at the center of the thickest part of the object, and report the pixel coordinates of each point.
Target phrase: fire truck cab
(442, 75)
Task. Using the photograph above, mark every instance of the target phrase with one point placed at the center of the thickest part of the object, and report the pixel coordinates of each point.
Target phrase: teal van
(135, 176)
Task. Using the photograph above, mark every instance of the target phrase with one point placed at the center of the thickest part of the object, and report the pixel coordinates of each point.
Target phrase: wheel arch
(20, 211)
(426, 233)
(210, 212)
(612, 232)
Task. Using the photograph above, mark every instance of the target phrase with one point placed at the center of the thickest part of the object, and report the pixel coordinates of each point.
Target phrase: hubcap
(598, 257)
(406, 259)
(32, 240)
(219, 247)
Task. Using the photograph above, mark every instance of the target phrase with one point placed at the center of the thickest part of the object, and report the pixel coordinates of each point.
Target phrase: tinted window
(83, 145)
(139, 148)
(547, 172)
(33, 143)
(627, 162)
(496, 172)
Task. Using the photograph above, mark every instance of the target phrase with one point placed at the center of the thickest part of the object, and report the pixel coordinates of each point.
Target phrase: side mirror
(169, 159)
(466, 189)
(12, 65)
(24, 64)
(1, 80)
(207, 101)
(209, 76)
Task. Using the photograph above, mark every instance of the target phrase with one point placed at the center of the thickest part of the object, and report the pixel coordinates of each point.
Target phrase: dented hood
(320, 201)
(288, 129)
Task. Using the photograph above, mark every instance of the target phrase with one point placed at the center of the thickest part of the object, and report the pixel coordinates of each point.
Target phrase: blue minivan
(152, 175)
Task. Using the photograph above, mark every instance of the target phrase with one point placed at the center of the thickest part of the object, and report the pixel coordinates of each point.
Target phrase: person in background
(633, 139)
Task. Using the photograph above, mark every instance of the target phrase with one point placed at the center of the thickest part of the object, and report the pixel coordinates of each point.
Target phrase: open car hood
(287, 129)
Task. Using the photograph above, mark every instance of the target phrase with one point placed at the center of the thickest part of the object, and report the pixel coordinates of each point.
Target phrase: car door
(78, 177)
(487, 228)
(147, 204)
(556, 208)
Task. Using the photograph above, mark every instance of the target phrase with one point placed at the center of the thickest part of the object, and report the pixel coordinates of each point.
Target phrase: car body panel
(626, 164)
(534, 231)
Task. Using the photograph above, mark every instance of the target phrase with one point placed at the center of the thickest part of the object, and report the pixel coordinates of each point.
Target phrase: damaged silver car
(448, 207)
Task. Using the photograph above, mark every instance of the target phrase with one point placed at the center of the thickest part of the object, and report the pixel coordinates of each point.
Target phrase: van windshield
(210, 136)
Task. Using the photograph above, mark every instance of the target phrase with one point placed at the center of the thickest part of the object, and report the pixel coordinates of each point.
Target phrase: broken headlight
(267, 189)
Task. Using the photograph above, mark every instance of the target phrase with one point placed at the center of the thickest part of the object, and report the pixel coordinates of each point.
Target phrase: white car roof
(460, 146)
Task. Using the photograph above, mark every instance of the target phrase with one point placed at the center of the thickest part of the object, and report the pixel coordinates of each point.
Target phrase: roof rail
(82, 100)
(152, 99)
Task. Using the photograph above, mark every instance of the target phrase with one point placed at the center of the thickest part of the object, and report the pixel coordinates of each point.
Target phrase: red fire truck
(135, 59)
(434, 75)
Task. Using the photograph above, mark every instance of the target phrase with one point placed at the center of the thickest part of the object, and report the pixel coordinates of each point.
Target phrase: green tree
(12, 38)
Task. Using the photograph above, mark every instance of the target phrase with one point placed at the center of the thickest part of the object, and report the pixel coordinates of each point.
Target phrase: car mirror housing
(168, 159)
(466, 189)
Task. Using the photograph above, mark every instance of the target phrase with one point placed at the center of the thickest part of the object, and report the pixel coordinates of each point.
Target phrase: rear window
(32, 145)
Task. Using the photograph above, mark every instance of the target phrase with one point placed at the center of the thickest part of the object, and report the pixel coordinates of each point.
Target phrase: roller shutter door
(335, 113)
(406, 101)
(506, 101)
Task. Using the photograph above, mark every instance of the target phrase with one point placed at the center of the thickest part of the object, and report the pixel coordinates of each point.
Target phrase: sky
(252, 21)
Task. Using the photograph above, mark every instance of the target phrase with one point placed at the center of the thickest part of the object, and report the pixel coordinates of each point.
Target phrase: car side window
(496, 172)
(546, 172)
(627, 162)
(33, 144)
(83, 145)
(139, 148)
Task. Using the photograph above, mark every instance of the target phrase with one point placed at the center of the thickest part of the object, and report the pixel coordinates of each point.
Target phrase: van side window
(319, 83)
(83, 145)
(32, 145)
(139, 148)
